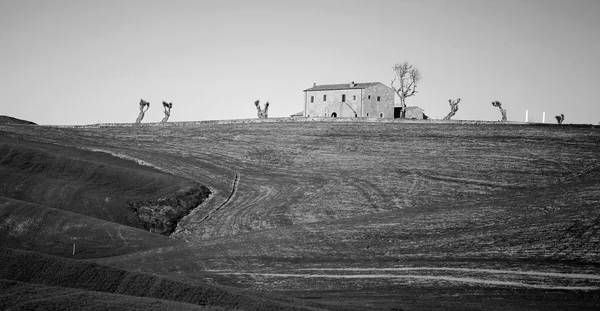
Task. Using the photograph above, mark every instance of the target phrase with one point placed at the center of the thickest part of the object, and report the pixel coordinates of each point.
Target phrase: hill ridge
(35, 268)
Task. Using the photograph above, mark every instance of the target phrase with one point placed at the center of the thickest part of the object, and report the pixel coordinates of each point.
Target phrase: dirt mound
(11, 120)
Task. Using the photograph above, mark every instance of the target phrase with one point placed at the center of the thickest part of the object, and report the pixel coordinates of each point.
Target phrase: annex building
(372, 99)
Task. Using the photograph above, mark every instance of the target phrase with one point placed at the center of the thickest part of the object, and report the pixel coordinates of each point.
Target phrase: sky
(65, 62)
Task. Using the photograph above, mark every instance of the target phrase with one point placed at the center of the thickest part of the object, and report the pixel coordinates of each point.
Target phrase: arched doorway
(334, 115)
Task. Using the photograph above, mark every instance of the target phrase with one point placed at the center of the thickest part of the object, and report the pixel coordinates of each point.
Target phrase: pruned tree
(453, 108)
(167, 107)
(502, 111)
(262, 114)
(143, 104)
(560, 118)
(406, 78)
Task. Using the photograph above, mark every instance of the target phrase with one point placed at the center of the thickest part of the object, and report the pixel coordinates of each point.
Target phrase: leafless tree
(167, 107)
(406, 78)
(502, 111)
(560, 118)
(143, 104)
(262, 114)
(453, 108)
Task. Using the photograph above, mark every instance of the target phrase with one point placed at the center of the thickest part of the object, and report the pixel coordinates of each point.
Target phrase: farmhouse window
(369, 97)
(324, 97)
(312, 99)
(343, 98)
(378, 98)
(354, 97)
(381, 115)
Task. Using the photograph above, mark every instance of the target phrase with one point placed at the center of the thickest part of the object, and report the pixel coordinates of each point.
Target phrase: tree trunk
(403, 105)
(140, 117)
(453, 108)
(167, 115)
(449, 116)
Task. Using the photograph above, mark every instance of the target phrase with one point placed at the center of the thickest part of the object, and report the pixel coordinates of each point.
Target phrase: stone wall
(370, 106)
(378, 102)
(333, 103)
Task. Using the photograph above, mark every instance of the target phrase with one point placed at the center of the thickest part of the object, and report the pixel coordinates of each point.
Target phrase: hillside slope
(268, 175)
(26, 296)
(52, 272)
(35, 227)
(375, 216)
(96, 185)
(11, 120)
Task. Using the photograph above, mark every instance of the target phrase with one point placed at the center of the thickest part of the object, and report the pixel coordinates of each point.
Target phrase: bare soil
(361, 215)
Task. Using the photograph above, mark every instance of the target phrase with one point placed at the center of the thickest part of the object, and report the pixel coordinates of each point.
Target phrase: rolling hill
(97, 185)
(11, 120)
(340, 214)
(98, 284)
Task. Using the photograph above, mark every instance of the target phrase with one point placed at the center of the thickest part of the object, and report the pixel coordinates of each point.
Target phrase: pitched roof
(414, 108)
(345, 86)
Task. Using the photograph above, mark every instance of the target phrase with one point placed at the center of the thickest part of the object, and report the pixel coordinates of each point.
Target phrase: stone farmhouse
(372, 99)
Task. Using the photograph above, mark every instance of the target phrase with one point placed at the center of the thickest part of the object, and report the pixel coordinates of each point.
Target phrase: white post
(73, 249)
(544, 117)
(526, 115)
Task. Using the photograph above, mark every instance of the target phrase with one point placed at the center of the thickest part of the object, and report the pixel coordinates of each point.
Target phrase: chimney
(352, 84)
(314, 84)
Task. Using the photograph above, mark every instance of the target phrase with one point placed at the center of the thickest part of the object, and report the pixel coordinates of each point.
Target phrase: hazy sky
(82, 62)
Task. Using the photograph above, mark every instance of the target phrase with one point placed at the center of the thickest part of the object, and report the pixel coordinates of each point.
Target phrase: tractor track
(234, 188)
(384, 273)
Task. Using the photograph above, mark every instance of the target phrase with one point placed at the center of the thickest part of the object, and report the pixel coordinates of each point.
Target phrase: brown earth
(336, 213)
(96, 184)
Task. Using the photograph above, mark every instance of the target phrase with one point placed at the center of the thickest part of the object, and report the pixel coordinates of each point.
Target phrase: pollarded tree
(502, 111)
(453, 108)
(262, 113)
(560, 118)
(167, 107)
(143, 104)
(406, 77)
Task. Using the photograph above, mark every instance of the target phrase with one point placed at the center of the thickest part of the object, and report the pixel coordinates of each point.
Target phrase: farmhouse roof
(414, 108)
(345, 86)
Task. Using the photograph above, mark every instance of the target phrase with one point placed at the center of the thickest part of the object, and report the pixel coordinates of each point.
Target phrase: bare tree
(453, 108)
(167, 107)
(143, 104)
(262, 114)
(406, 77)
(502, 111)
(560, 118)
